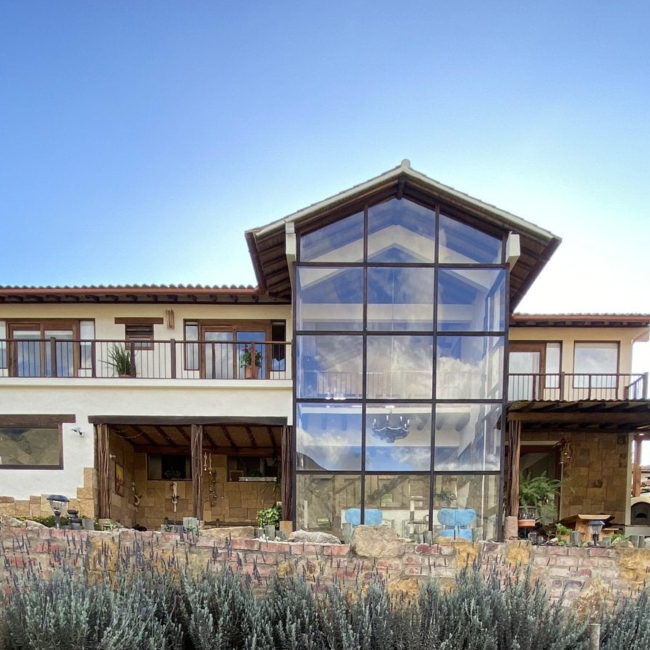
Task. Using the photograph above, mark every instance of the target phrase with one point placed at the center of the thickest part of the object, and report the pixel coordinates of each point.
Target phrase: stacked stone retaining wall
(604, 573)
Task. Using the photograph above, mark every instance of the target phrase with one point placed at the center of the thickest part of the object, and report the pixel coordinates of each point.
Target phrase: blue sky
(140, 139)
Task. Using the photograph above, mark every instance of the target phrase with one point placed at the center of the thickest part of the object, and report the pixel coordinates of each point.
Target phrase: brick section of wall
(610, 573)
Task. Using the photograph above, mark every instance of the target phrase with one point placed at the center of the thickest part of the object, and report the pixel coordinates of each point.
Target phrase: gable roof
(267, 243)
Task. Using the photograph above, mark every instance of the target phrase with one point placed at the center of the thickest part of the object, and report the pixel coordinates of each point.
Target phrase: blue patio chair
(374, 517)
(457, 522)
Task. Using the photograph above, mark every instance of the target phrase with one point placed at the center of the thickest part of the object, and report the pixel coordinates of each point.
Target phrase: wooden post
(636, 467)
(103, 472)
(196, 446)
(514, 438)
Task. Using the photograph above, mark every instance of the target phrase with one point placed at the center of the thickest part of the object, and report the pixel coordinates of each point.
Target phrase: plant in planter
(251, 360)
(120, 360)
(537, 497)
(269, 516)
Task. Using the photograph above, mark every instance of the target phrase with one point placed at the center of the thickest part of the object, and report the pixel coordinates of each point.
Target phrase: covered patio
(153, 471)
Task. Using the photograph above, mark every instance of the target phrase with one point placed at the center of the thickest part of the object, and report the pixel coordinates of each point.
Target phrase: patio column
(196, 446)
(103, 472)
(287, 472)
(636, 466)
(514, 453)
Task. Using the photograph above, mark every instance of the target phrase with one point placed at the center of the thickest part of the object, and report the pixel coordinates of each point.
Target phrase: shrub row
(146, 609)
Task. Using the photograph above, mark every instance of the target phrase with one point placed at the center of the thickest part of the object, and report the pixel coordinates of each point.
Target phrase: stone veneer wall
(38, 506)
(596, 478)
(232, 501)
(581, 573)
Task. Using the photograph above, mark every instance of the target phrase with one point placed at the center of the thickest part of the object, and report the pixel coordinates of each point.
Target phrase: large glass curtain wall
(400, 331)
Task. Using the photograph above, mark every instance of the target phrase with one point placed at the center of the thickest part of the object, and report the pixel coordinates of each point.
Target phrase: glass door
(525, 364)
(35, 355)
(250, 348)
(63, 349)
(218, 357)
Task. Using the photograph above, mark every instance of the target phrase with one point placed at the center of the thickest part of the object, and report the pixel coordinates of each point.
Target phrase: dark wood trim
(128, 320)
(103, 471)
(196, 448)
(184, 420)
(583, 417)
(35, 421)
(514, 455)
(262, 452)
(59, 428)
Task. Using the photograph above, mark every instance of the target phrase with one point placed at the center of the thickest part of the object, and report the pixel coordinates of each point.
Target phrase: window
(141, 334)
(191, 349)
(169, 467)
(30, 448)
(595, 364)
(250, 469)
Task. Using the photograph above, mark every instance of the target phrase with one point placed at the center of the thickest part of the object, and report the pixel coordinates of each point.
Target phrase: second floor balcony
(145, 359)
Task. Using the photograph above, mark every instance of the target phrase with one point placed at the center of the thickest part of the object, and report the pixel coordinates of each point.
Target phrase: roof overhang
(615, 416)
(137, 294)
(267, 243)
(580, 320)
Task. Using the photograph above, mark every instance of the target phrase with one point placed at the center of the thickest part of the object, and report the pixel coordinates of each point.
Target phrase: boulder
(376, 541)
(235, 532)
(313, 537)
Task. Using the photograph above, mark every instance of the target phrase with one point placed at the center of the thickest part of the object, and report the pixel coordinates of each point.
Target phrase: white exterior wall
(568, 336)
(130, 397)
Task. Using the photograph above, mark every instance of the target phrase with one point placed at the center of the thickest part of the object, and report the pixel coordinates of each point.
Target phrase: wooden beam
(103, 471)
(251, 437)
(164, 435)
(183, 420)
(514, 454)
(34, 420)
(210, 439)
(197, 470)
(258, 452)
(636, 467)
(182, 434)
(581, 418)
(228, 437)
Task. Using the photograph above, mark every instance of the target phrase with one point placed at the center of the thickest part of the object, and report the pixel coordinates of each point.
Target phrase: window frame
(35, 424)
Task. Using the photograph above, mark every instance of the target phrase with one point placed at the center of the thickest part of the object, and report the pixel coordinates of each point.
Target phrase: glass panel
(328, 436)
(322, 500)
(398, 501)
(399, 367)
(553, 365)
(251, 348)
(469, 367)
(465, 507)
(401, 231)
(467, 438)
(86, 334)
(398, 437)
(329, 299)
(26, 446)
(471, 300)
(400, 299)
(523, 367)
(191, 349)
(219, 359)
(63, 351)
(341, 241)
(329, 366)
(28, 353)
(460, 243)
(597, 360)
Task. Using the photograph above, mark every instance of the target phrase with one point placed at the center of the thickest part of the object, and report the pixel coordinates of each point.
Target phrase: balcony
(573, 387)
(145, 359)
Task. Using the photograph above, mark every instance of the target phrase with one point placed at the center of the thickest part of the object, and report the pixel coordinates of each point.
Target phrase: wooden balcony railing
(145, 359)
(564, 386)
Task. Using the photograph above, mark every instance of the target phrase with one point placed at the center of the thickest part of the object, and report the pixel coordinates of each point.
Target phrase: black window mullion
(434, 371)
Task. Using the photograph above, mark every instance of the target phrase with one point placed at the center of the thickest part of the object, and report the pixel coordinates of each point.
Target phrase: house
(376, 374)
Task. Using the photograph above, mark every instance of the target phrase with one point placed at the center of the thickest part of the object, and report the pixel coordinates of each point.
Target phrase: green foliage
(269, 516)
(562, 530)
(222, 610)
(249, 356)
(120, 359)
(540, 492)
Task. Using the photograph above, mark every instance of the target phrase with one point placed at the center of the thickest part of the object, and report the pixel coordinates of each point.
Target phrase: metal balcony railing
(564, 386)
(145, 359)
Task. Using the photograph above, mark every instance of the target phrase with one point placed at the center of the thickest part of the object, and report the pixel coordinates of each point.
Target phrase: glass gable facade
(401, 323)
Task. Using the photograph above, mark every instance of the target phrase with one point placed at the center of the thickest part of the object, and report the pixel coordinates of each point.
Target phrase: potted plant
(537, 497)
(251, 361)
(269, 519)
(120, 359)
